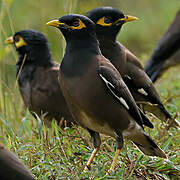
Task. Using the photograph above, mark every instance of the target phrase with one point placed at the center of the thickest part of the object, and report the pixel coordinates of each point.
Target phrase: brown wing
(118, 89)
(47, 95)
(140, 84)
(131, 58)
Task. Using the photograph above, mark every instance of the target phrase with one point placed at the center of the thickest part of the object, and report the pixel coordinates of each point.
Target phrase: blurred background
(140, 37)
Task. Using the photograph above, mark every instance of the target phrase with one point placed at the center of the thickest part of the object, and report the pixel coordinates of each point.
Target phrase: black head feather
(32, 37)
(112, 14)
(71, 20)
(97, 13)
(36, 48)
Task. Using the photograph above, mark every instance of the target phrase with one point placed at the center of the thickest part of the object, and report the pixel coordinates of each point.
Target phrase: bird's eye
(107, 20)
(75, 23)
(78, 24)
(17, 39)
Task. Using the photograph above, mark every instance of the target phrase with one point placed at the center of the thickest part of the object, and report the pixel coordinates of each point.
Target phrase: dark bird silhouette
(95, 92)
(108, 22)
(37, 76)
(167, 52)
(11, 168)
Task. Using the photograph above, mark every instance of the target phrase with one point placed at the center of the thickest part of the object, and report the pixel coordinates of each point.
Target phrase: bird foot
(95, 151)
(114, 163)
(87, 168)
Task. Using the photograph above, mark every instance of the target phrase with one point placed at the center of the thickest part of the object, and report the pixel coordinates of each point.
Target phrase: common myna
(37, 76)
(108, 22)
(167, 52)
(95, 92)
(11, 168)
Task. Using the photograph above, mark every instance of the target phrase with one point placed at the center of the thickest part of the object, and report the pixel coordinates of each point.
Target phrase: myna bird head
(108, 20)
(30, 42)
(74, 26)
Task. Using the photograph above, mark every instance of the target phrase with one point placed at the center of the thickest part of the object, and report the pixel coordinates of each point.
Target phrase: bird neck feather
(38, 57)
(78, 57)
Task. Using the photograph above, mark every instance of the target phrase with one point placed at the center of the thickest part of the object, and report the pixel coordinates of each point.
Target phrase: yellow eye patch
(102, 22)
(78, 25)
(19, 42)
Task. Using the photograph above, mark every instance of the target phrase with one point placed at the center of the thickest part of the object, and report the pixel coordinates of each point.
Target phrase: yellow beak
(126, 19)
(129, 18)
(54, 23)
(9, 40)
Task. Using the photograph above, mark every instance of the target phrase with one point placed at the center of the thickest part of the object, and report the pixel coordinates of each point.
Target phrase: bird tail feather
(148, 146)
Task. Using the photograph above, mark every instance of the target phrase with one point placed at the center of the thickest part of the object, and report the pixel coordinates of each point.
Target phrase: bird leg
(115, 160)
(95, 151)
(96, 142)
(119, 144)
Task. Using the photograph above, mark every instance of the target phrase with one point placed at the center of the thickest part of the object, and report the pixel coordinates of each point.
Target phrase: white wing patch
(119, 98)
(107, 82)
(124, 102)
(142, 91)
(128, 77)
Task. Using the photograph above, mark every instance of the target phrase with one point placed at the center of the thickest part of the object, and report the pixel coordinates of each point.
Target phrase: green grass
(56, 154)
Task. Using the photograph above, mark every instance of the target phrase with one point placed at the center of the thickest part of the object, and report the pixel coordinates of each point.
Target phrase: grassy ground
(56, 154)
